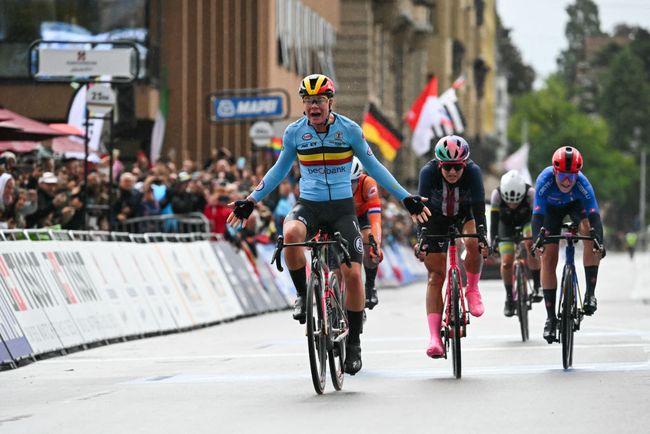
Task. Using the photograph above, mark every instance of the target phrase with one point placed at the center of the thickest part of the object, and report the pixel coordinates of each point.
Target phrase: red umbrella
(15, 127)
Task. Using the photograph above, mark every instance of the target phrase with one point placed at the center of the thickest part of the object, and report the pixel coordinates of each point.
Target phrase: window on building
(24, 21)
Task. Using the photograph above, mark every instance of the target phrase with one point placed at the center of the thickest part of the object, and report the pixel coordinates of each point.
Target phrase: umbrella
(15, 127)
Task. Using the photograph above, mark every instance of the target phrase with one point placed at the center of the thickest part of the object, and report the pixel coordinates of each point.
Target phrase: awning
(60, 145)
(14, 127)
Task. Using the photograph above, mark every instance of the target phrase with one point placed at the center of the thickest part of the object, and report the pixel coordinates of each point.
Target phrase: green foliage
(583, 22)
(554, 121)
(625, 99)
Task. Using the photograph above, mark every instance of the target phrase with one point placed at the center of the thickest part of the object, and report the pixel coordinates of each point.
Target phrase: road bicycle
(456, 314)
(521, 295)
(570, 309)
(327, 323)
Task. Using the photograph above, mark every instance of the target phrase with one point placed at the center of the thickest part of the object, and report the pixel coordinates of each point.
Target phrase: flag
(519, 161)
(427, 118)
(449, 101)
(276, 146)
(379, 131)
(77, 118)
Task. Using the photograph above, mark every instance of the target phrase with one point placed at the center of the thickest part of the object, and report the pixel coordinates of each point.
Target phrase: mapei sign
(248, 104)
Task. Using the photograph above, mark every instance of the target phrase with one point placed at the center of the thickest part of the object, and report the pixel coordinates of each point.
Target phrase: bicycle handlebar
(570, 236)
(312, 244)
(451, 237)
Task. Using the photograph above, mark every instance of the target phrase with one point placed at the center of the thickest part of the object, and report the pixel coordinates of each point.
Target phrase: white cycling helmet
(357, 168)
(512, 187)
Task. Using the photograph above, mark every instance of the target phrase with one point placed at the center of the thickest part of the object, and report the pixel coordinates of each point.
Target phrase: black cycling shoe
(509, 308)
(537, 295)
(371, 298)
(550, 330)
(299, 310)
(591, 304)
(352, 359)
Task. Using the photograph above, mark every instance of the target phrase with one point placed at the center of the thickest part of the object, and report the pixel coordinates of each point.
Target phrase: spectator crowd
(43, 191)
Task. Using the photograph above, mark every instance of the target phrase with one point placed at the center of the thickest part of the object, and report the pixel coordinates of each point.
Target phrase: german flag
(379, 131)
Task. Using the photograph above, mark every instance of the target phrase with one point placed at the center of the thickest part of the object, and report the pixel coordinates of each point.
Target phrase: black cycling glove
(243, 209)
(413, 204)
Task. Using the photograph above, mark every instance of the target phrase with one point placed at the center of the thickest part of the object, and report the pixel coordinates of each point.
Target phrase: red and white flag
(427, 118)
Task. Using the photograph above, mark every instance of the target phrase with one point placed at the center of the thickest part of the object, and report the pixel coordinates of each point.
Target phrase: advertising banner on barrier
(64, 271)
(268, 281)
(14, 343)
(103, 266)
(137, 297)
(27, 302)
(165, 304)
(282, 280)
(416, 268)
(181, 272)
(204, 258)
(270, 299)
(237, 276)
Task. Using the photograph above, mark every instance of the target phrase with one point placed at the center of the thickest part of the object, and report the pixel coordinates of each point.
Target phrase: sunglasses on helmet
(563, 176)
(453, 166)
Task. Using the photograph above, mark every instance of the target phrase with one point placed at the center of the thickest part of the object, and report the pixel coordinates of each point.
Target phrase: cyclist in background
(562, 190)
(511, 206)
(368, 206)
(631, 239)
(454, 186)
(325, 142)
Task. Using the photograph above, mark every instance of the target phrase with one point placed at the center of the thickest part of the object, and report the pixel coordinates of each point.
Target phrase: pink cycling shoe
(472, 295)
(435, 349)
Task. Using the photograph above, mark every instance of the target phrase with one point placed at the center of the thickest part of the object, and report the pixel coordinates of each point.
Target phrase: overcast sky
(538, 26)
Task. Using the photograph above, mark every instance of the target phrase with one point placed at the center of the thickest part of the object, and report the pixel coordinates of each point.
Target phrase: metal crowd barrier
(195, 222)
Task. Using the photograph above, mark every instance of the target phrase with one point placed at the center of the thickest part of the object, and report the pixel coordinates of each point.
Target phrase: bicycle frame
(452, 254)
(569, 253)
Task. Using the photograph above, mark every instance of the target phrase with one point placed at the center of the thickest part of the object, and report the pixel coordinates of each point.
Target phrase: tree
(625, 99)
(583, 23)
(520, 76)
(554, 121)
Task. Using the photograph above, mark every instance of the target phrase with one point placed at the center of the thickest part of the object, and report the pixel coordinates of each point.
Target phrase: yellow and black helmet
(317, 84)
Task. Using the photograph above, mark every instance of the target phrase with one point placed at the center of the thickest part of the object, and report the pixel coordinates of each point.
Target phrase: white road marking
(189, 358)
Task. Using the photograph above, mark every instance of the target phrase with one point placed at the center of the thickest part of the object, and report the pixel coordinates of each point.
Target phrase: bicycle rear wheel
(522, 299)
(457, 319)
(315, 333)
(337, 328)
(566, 317)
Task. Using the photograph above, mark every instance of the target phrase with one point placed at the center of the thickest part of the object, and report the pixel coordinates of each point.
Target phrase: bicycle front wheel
(522, 299)
(315, 333)
(457, 320)
(566, 317)
(338, 329)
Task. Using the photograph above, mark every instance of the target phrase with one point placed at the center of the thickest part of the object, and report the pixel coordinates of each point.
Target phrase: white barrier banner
(27, 303)
(180, 271)
(236, 274)
(168, 305)
(103, 265)
(204, 258)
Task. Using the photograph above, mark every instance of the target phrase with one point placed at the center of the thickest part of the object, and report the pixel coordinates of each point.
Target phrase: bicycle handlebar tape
(413, 204)
(243, 209)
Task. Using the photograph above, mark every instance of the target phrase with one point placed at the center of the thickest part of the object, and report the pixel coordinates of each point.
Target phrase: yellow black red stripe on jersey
(325, 156)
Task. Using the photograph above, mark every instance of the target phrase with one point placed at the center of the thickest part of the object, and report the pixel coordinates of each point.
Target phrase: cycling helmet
(512, 187)
(452, 149)
(567, 159)
(317, 84)
(356, 170)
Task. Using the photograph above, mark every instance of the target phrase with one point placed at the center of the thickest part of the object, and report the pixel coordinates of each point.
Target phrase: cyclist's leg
(533, 262)
(553, 224)
(507, 249)
(591, 263)
(342, 214)
(435, 264)
(369, 266)
(473, 261)
(295, 230)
